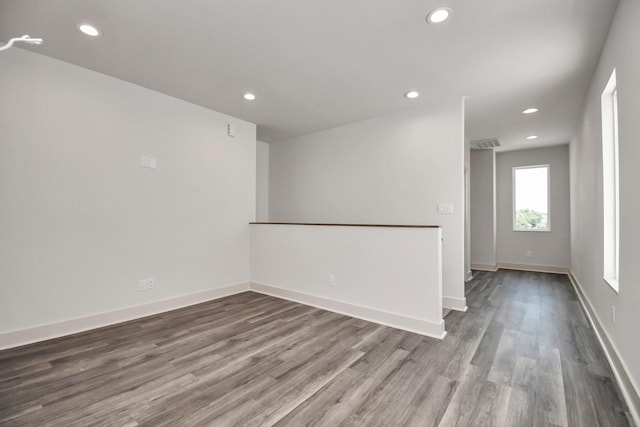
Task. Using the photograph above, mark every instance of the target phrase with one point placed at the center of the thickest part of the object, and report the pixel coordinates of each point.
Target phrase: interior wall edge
(454, 303)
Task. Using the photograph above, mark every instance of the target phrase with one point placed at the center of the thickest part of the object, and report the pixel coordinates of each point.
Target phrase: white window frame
(513, 198)
(610, 184)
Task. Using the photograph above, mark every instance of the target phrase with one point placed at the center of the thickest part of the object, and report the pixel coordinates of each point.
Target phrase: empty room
(319, 213)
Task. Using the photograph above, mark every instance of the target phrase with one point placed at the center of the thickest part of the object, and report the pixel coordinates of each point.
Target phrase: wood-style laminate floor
(523, 355)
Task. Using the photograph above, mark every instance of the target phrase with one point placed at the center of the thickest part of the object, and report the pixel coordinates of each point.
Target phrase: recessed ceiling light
(89, 30)
(412, 94)
(438, 15)
(249, 96)
(530, 110)
(532, 137)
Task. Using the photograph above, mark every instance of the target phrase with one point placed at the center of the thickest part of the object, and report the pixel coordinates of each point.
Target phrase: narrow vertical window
(531, 198)
(610, 176)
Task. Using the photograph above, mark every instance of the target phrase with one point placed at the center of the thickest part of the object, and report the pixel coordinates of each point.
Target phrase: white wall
(622, 52)
(467, 210)
(262, 181)
(389, 275)
(81, 221)
(483, 209)
(393, 169)
(549, 249)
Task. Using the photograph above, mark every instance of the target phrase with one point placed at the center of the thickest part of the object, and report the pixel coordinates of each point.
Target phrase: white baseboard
(67, 327)
(39, 333)
(453, 303)
(484, 267)
(533, 267)
(398, 321)
(630, 390)
(468, 276)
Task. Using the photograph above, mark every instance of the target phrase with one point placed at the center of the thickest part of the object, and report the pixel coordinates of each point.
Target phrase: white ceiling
(317, 64)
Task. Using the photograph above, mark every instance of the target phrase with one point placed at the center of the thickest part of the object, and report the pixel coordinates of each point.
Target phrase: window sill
(613, 283)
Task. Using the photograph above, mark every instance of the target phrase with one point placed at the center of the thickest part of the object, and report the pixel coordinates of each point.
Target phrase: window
(531, 198)
(610, 176)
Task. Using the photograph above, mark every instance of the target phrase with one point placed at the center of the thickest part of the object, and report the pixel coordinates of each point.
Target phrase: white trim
(610, 183)
(628, 387)
(534, 267)
(398, 321)
(513, 196)
(469, 276)
(614, 283)
(72, 326)
(484, 267)
(39, 333)
(454, 303)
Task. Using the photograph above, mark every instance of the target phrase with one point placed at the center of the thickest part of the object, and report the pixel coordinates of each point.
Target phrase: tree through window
(531, 198)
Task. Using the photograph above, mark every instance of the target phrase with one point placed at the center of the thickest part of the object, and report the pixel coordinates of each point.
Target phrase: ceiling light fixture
(438, 15)
(530, 110)
(412, 94)
(532, 137)
(249, 96)
(89, 30)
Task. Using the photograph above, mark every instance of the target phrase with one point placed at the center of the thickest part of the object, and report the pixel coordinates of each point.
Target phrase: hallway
(537, 347)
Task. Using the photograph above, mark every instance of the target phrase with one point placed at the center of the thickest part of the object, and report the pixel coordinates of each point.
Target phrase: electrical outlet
(151, 283)
(529, 254)
(613, 314)
(445, 208)
(142, 284)
(332, 280)
(144, 161)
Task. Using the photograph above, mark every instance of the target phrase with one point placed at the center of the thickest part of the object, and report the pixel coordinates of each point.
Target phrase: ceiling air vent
(485, 144)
